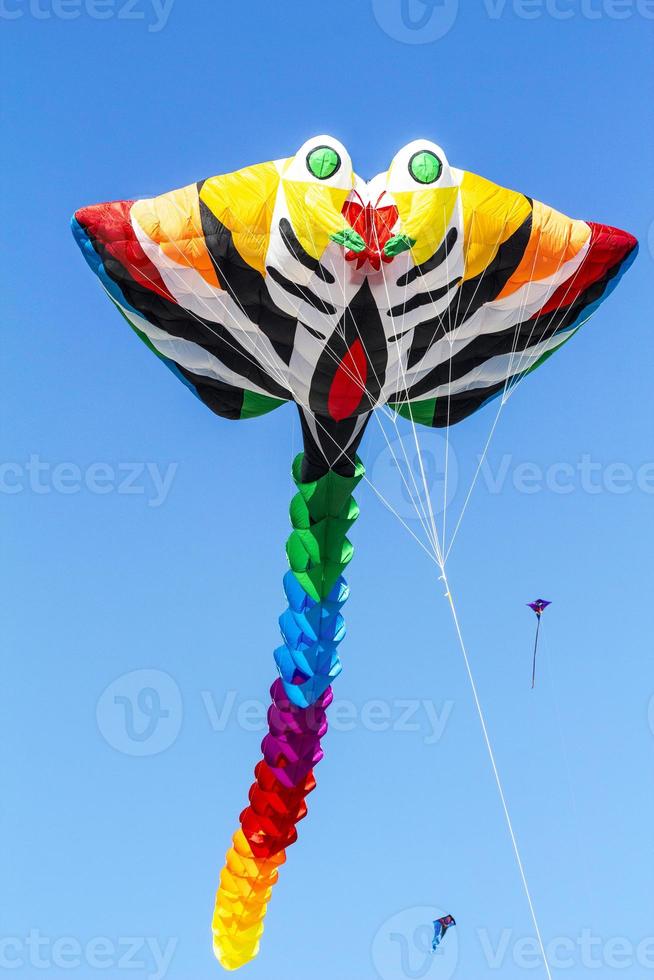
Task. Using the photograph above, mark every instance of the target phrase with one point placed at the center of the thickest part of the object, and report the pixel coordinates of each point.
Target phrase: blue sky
(108, 570)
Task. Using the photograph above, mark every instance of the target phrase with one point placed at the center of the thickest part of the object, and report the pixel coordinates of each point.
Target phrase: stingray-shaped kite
(427, 289)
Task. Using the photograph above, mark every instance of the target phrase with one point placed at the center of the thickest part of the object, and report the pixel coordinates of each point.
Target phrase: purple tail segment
(292, 746)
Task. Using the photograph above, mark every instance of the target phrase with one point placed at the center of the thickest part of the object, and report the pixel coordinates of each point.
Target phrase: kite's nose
(375, 223)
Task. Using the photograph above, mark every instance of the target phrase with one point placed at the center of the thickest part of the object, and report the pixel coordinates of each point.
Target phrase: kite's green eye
(425, 167)
(323, 162)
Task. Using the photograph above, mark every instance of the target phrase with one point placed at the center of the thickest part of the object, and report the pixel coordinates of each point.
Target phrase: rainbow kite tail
(318, 550)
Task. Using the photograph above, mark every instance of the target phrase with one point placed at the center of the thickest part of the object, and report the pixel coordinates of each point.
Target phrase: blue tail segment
(308, 660)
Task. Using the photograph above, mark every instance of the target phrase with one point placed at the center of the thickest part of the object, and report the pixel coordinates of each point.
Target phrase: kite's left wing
(186, 271)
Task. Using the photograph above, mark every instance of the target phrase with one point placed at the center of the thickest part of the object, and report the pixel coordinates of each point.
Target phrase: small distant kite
(539, 606)
(440, 928)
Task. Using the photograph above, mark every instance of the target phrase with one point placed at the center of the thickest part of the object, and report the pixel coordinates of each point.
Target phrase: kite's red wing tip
(615, 240)
(103, 218)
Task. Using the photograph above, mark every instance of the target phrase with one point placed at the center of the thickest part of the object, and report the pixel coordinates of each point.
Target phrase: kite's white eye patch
(322, 159)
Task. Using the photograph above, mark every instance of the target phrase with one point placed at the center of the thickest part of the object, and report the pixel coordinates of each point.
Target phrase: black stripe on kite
(433, 263)
(473, 293)
(246, 286)
(223, 399)
(295, 248)
(422, 299)
(301, 292)
(462, 405)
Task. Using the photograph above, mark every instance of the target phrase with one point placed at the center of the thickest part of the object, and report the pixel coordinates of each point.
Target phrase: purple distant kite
(539, 606)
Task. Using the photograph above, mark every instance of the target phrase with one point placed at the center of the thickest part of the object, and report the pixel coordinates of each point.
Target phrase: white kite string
(498, 780)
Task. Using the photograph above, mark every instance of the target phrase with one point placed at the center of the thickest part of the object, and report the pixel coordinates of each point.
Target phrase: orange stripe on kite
(554, 240)
(172, 221)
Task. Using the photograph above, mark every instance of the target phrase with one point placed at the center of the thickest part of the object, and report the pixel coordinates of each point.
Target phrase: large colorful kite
(427, 289)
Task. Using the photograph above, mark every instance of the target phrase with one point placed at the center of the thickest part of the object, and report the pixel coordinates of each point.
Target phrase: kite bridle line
(285, 381)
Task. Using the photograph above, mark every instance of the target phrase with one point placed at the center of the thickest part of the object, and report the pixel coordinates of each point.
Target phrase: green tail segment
(322, 513)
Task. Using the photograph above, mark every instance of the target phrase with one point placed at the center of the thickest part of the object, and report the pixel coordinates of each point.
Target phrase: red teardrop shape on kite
(349, 383)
